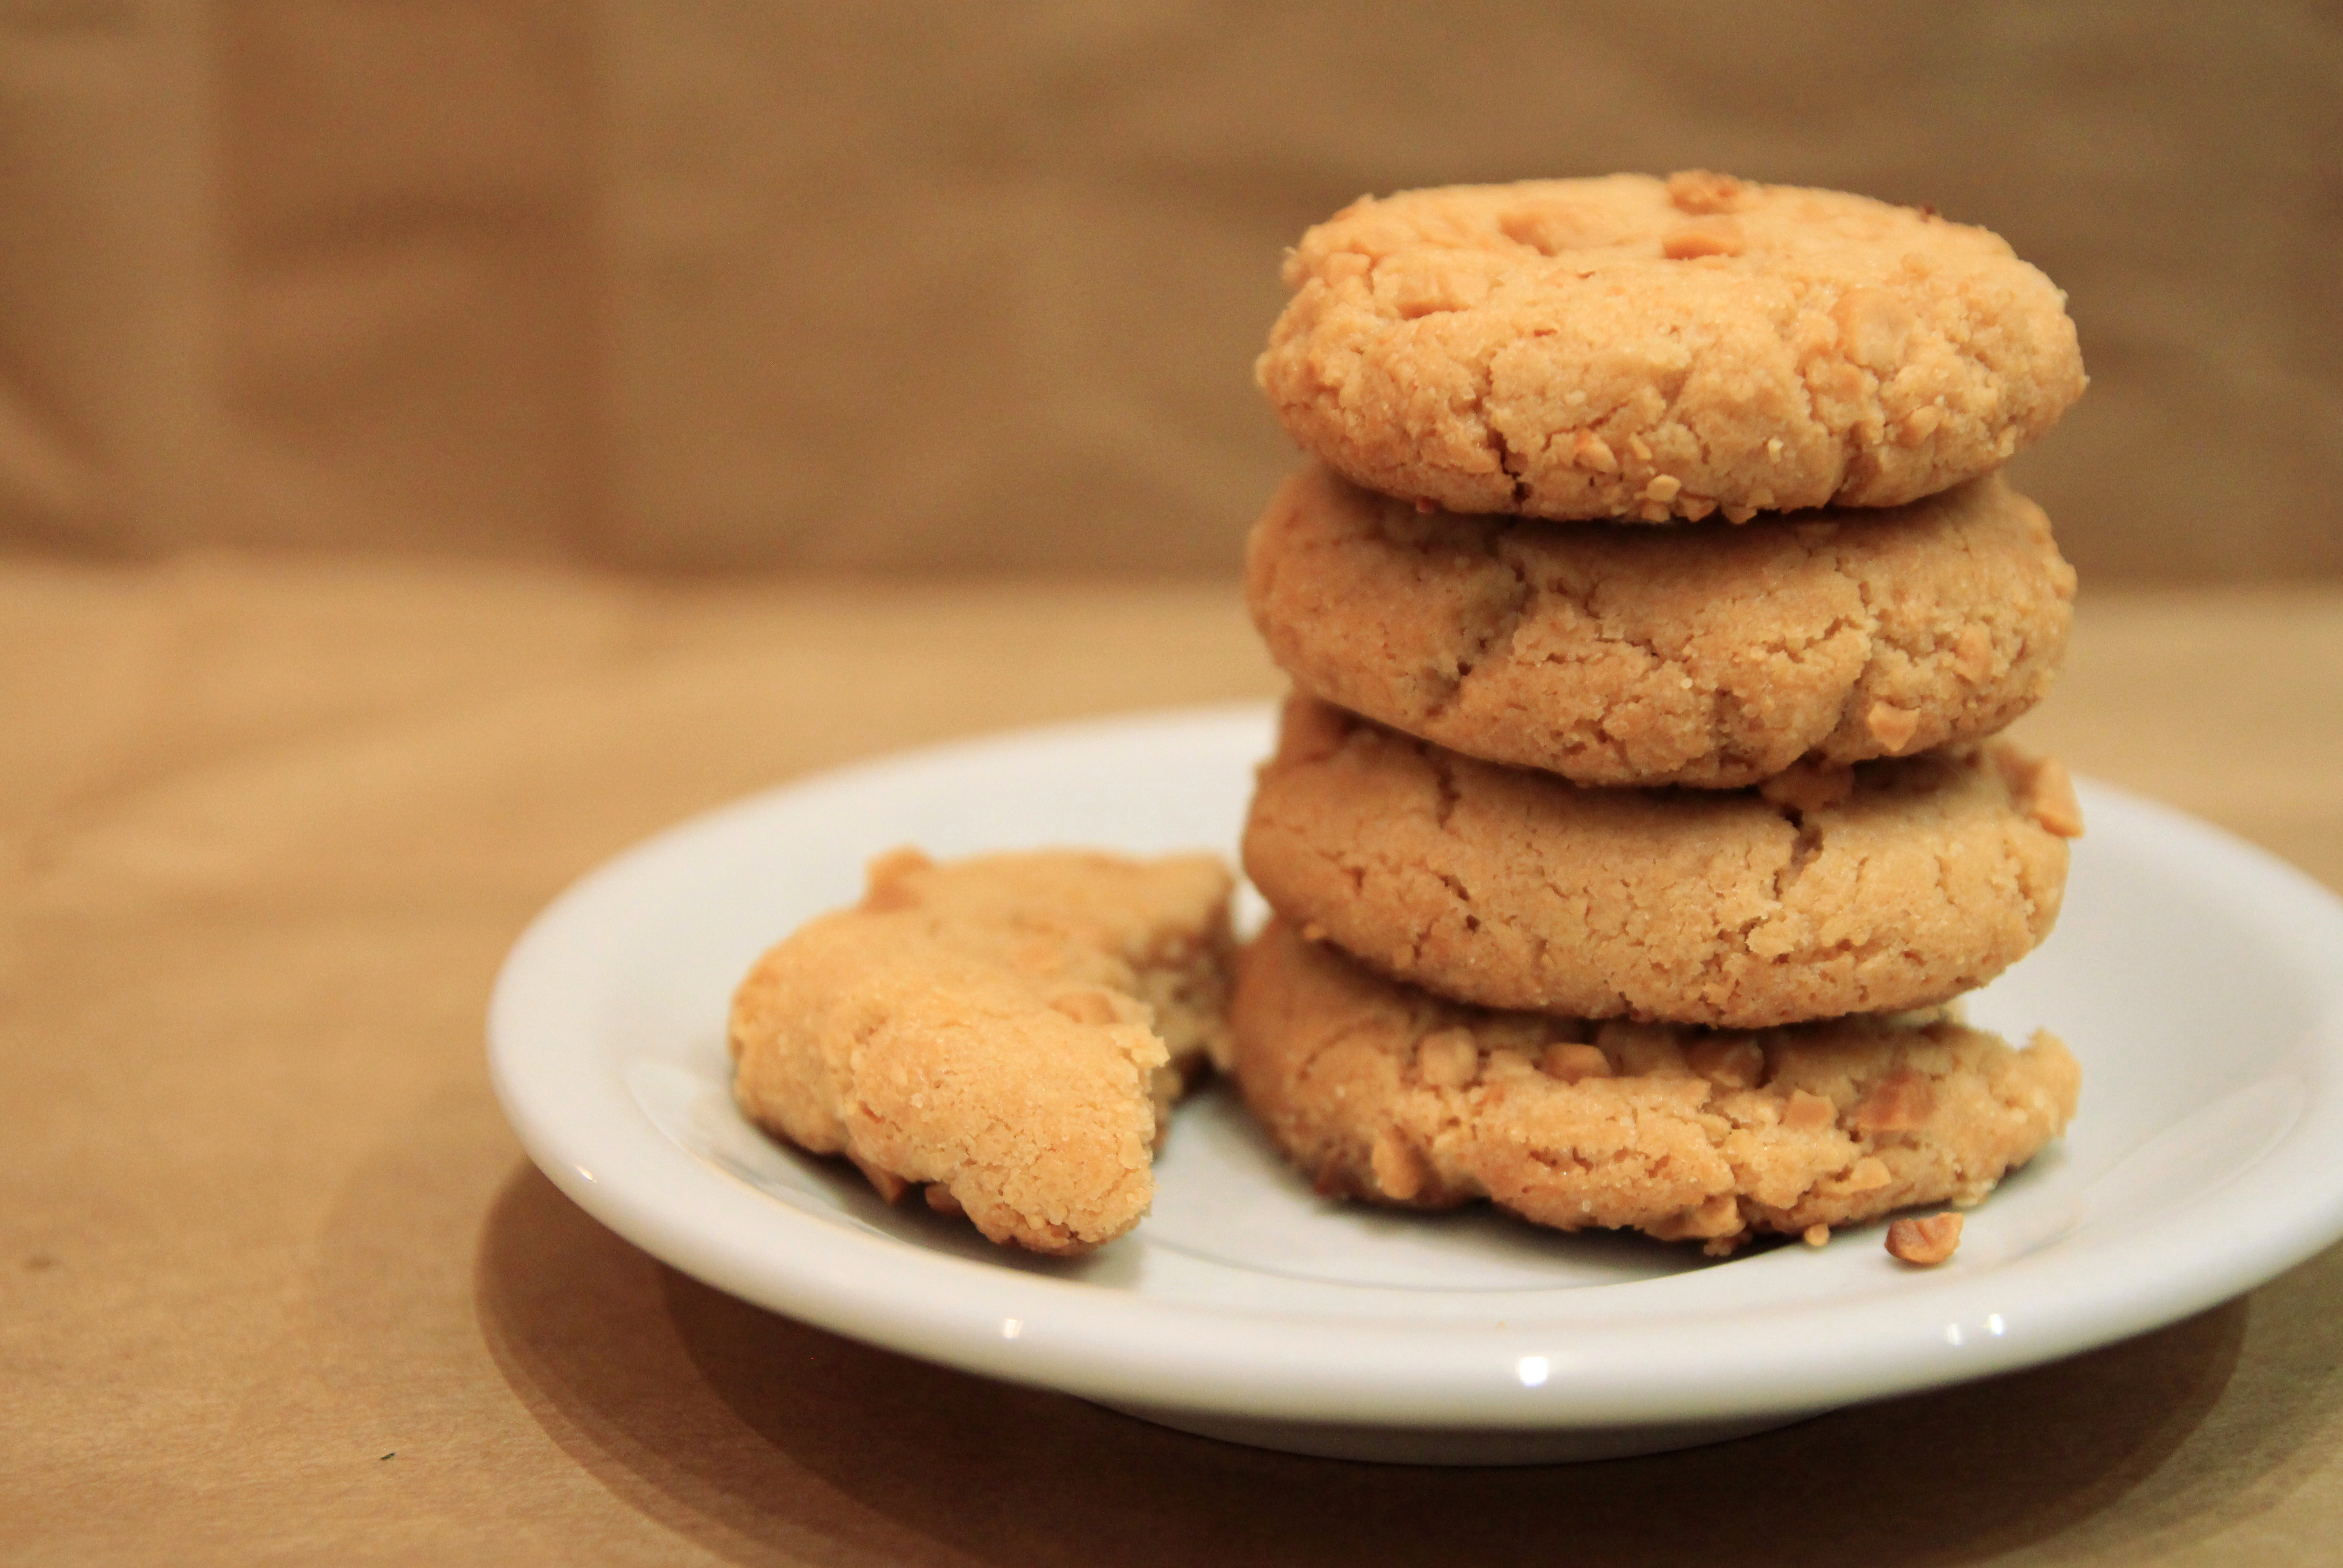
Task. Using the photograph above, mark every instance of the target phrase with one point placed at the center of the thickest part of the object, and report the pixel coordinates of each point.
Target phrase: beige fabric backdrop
(916, 283)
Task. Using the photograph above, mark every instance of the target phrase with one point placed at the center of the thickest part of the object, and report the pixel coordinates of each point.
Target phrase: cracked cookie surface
(1702, 654)
(1633, 347)
(1385, 1093)
(1888, 885)
(1009, 1030)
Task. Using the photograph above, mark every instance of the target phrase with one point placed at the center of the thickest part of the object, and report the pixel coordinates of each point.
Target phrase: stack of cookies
(1651, 600)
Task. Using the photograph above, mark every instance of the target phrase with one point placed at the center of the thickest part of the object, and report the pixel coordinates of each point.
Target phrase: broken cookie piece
(1009, 1030)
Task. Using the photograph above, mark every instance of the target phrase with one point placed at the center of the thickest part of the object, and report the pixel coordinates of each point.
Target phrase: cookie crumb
(1814, 1235)
(1925, 1242)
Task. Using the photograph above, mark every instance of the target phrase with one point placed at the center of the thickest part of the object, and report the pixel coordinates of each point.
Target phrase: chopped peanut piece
(890, 1186)
(889, 888)
(1809, 786)
(1919, 425)
(1398, 1169)
(1808, 1112)
(1897, 1103)
(1894, 727)
(1574, 1062)
(940, 1199)
(1703, 236)
(1589, 450)
(1549, 230)
(1814, 1235)
(1726, 1063)
(1973, 653)
(1717, 1215)
(1448, 1059)
(1085, 1006)
(2052, 799)
(1925, 1243)
(1038, 956)
(2046, 789)
(1875, 327)
(1702, 191)
(1869, 1174)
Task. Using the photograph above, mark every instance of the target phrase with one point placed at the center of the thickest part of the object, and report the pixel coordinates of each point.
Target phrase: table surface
(276, 1283)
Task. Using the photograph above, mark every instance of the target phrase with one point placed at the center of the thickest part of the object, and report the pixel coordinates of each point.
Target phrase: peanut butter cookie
(1700, 654)
(1889, 885)
(1385, 1093)
(1642, 348)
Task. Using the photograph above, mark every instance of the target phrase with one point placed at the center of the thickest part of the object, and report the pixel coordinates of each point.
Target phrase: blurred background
(442, 443)
(909, 286)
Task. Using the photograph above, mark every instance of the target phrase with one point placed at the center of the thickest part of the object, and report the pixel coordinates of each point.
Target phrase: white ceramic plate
(2199, 980)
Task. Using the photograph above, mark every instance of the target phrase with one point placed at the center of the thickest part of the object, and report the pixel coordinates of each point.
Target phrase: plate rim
(958, 1312)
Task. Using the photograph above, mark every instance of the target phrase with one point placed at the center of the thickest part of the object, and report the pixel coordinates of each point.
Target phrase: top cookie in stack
(1650, 606)
(1636, 349)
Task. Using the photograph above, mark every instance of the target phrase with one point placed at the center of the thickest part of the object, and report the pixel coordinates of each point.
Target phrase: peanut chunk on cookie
(1008, 1031)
